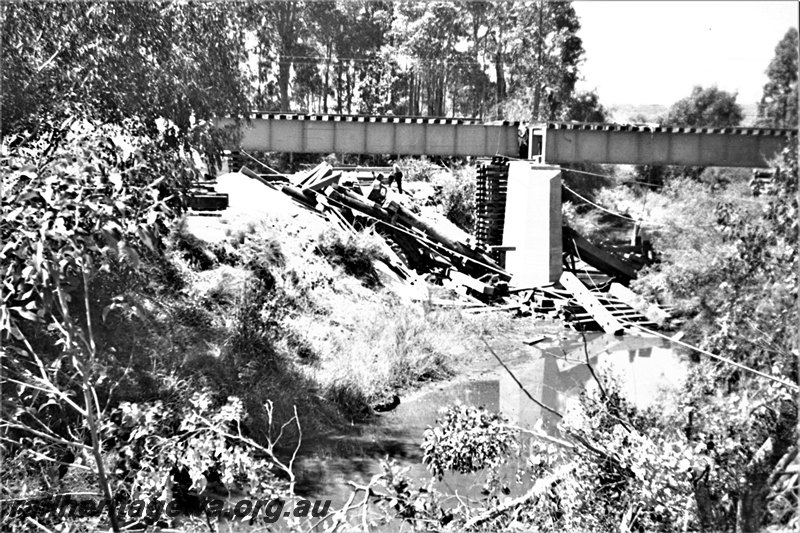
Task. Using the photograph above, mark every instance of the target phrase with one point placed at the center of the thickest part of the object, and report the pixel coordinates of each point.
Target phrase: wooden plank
(325, 181)
(470, 282)
(584, 296)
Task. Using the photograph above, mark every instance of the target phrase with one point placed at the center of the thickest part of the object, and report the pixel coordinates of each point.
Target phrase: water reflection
(554, 372)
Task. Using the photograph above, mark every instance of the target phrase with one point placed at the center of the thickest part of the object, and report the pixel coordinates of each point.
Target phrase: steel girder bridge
(552, 143)
(530, 214)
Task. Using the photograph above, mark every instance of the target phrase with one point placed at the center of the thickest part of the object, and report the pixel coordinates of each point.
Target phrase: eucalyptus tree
(547, 54)
(778, 106)
(121, 59)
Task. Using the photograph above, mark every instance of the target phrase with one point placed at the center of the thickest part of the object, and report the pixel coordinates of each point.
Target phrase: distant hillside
(622, 113)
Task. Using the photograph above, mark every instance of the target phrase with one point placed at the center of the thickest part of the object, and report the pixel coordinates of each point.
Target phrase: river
(553, 371)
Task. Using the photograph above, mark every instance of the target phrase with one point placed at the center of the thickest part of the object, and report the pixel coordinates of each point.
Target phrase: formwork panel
(255, 135)
(285, 136)
(659, 149)
(624, 145)
(685, 149)
(713, 147)
(592, 148)
(471, 140)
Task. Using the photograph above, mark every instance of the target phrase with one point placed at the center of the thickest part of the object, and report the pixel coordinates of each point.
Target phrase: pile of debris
(589, 295)
(414, 244)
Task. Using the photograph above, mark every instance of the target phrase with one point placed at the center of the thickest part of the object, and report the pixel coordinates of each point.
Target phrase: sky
(654, 52)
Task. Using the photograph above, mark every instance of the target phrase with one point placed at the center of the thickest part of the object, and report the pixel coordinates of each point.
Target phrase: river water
(553, 371)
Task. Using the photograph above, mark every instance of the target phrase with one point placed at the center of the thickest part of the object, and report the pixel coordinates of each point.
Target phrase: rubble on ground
(420, 245)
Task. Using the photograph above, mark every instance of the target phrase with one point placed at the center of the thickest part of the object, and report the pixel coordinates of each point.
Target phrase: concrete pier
(533, 224)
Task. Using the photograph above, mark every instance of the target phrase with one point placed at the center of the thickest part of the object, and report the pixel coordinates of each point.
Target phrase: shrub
(355, 254)
(587, 223)
(468, 439)
(194, 251)
(415, 169)
(86, 204)
(456, 196)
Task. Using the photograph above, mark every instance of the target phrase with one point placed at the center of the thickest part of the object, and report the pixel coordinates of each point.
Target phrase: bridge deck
(358, 134)
(660, 145)
(560, 143)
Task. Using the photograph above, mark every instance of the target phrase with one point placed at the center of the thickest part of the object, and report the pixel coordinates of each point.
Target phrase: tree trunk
(327, 81)
(339, 87)
(284, 70)
(500, 93)
(537, 91)
(349, 83)
(412, 106)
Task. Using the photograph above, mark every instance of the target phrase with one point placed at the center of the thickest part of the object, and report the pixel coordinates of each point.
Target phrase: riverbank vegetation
(142, 358)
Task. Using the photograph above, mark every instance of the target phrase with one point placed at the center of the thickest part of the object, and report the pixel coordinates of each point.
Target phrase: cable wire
(620, 215)
(715, 356)
(260, 163)
(705, 352)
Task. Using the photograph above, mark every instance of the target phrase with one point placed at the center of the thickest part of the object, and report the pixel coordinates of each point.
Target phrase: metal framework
(660, 145)
(359, 134)
(550, 143)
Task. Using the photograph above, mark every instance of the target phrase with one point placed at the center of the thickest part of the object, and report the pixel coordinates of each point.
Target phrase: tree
(731, 266)
(121, 60)
(778, 106)
(428, 34)
(586, 107)
(284, 24)
(545, 66)
(709, 107)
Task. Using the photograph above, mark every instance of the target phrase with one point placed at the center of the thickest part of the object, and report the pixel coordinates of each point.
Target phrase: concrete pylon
(533, 224)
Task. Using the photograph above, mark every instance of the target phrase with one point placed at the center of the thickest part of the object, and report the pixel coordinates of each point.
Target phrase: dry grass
(347, 333)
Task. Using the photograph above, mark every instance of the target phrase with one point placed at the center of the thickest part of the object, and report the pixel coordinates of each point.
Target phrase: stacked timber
(490, 201)
(203, 197)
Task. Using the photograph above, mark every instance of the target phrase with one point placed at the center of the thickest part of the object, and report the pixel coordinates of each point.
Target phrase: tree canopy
(710, 107)
(512, 59)
(121, 60)
(778, 106)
